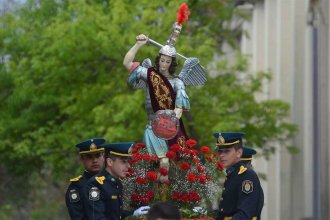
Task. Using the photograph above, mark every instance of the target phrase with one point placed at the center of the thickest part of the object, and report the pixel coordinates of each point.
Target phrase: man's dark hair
(163, 210)
(172, 67)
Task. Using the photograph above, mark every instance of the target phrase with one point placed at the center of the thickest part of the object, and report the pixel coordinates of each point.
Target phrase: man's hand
(141, 211)
(200, 210)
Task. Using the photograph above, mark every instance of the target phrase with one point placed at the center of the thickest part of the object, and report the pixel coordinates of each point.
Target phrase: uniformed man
(242, 196)
(104, 190)
(91, 156)
(247, 156)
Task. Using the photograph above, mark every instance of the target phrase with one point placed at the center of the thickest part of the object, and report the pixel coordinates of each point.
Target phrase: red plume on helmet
(182, 14)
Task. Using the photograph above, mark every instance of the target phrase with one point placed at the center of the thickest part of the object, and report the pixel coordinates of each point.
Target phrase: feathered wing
(141, 84)
(192, 72)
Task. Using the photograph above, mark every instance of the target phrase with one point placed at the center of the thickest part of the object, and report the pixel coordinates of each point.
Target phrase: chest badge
(247, 186)
(94, 194)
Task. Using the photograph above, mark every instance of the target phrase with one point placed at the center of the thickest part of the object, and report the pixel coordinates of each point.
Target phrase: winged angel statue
(165, 94)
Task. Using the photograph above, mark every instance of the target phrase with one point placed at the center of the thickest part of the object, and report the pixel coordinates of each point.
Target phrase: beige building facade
(290, 38)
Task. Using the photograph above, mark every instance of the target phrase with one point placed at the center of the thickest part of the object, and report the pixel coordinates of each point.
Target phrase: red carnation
(152, 176)
(135, 197)
(139, 145)
(146, 157)
(154, 158)
(200, 169)
(144, 200)
(185, 198)
(194, 152)
(141, 180)
(205, 150)
(130, 172)
(133, 161)
(202, 179)
(220, 166)
(194, 197)
(209, 158)
(163, 171)
(186, 151)
(175, 147)
(185, 166)
(137, 156)
(150, 194)
(191, 142)
(195, 160)
(176, 196)
(170, 154)
(191, 177)
(134, 150)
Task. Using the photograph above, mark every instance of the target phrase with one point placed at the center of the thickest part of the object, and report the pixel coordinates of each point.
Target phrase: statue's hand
(178, 112)
(141, 39)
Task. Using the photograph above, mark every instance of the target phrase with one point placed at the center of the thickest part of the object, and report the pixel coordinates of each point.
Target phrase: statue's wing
(141, 84)
(192, 72)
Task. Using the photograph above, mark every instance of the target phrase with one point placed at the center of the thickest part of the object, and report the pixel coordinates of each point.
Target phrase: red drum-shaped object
(165, 125)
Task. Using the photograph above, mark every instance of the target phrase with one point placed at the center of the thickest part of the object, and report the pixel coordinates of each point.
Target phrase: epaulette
(242, 169)
(76, 178)
(100, 179)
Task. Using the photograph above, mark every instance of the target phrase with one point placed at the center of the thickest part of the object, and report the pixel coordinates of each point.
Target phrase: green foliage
(62, 81)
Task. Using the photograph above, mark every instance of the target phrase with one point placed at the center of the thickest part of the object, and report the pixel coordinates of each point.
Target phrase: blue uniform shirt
(242, 196)
(73, 197)
(104, 198)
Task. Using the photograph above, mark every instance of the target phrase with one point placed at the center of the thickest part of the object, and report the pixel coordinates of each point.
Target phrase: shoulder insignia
(100, 179)
(94, 194)
(247, 186)
(114, 197)
(76, 178)
(74, 196)
(242, 169)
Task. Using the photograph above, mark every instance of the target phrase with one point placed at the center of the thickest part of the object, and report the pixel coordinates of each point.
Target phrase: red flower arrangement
(193, 177)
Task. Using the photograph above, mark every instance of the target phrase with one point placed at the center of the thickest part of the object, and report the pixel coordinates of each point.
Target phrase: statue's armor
(176, 84)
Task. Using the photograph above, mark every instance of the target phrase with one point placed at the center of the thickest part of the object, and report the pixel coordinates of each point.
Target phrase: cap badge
(92, 147)
(221, 140)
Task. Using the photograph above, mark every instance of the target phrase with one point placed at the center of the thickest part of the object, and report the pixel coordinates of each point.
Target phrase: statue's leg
(164, 163)
(163, 180)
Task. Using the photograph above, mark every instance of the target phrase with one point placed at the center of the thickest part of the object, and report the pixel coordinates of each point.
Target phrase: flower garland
(193, 178)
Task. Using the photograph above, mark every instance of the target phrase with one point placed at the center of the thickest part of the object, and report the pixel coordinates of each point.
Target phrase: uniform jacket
(104, 198)
(73, 197)
(242, 196)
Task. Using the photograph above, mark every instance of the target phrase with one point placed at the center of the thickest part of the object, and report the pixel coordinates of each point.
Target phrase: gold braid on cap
(222, 142)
